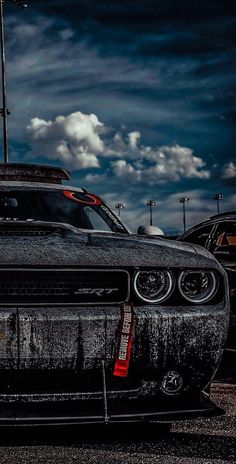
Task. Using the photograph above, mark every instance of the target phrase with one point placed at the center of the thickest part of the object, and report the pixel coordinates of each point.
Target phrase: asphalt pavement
(205, 440)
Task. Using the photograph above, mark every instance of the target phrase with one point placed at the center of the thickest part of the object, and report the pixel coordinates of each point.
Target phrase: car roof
(33, 173)
(224, 214)
(38, 185)
(217, 218)
(34, 176)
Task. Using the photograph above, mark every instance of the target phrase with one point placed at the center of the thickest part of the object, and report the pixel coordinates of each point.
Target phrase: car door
(223, 247)
(223, 244)
(201, 236)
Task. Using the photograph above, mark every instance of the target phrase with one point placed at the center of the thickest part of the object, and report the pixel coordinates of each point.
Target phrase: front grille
(29, 231)
(63, 286)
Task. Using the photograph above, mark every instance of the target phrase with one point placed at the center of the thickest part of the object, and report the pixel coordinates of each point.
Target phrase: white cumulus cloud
(82, 141)
(229, 171)
(72, 139)
(167, 163)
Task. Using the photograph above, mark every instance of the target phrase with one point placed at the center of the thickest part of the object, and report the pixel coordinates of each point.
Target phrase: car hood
(67, 246)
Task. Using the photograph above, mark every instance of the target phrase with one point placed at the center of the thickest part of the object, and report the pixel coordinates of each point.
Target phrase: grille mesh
(65, 286)
(21, 231)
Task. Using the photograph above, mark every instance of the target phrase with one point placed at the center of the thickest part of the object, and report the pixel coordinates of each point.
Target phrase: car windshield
(82, 210)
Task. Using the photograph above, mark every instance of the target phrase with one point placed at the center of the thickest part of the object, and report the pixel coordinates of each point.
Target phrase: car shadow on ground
(227, 370)
(145, 438)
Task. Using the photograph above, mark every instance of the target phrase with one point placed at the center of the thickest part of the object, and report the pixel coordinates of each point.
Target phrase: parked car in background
(218, 235)
(97, 324)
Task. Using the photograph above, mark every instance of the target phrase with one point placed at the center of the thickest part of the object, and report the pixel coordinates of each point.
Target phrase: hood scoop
(25, 230)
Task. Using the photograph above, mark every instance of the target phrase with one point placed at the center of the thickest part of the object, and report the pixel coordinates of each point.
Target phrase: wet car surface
(97, 324)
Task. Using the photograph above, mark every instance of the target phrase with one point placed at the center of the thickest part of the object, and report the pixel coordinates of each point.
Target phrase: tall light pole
(4, 111)
(218, 197)
(151, 204)
(119, 206)
(184, 201)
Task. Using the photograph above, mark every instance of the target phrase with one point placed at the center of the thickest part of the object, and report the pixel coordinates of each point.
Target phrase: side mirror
(150, 230)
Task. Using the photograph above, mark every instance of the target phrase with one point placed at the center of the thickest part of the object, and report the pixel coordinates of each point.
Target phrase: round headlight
(197, 286)
(153, 286)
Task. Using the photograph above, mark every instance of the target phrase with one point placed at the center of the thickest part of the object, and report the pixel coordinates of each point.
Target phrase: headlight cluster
(153, 286)
(156, 286)
(197, 286)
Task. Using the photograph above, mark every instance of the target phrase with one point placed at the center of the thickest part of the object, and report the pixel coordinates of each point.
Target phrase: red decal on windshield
(125, 340)
(90, 199)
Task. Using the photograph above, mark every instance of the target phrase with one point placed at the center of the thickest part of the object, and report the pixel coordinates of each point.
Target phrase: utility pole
(151, 204)
(4, 111)
(184, 201)
(218, 197)
(119, 206)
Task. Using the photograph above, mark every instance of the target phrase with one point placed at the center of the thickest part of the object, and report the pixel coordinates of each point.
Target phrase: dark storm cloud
(165, 69)
(190, 44)
(191, 9)
(145, 16)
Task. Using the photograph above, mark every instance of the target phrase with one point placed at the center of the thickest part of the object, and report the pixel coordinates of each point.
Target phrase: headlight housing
(153, 286)
(198, 286)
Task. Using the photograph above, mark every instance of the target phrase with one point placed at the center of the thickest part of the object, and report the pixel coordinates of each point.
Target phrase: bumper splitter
(92, 413)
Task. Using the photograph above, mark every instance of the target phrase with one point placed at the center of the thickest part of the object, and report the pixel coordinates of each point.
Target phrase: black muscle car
(218, 235)
(97, 324)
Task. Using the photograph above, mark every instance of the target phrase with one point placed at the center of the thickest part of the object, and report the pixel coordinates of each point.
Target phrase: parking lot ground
(227, 370)
(205, 440)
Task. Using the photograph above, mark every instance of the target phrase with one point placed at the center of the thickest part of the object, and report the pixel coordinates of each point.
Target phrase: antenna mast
(4, 112)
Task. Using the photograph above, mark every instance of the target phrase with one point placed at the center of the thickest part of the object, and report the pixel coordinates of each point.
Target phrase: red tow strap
(125, 340)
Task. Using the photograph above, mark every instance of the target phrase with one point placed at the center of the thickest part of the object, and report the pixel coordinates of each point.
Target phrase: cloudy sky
(136, 98)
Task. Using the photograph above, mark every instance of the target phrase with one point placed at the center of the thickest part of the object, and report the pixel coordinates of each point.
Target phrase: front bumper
(117, 411)
(59, 340)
